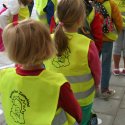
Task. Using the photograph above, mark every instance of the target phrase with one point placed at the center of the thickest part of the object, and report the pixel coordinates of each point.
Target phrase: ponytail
(61, 40)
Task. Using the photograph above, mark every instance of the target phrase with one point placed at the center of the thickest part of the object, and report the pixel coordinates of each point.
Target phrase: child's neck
(32, 67)
(71, 29)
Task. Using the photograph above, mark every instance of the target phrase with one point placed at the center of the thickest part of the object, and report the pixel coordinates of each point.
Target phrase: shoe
(116, 72)
(93, 119)
(107, 94)
(123, 72)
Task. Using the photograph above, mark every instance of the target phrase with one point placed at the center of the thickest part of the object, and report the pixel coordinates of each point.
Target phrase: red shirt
(94, 63)
(96, 30)
(66, 98)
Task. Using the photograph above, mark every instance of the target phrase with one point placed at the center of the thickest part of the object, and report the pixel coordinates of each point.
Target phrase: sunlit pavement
(111, 112)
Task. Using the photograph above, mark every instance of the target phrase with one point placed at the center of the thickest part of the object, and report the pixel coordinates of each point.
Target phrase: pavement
(111, 112)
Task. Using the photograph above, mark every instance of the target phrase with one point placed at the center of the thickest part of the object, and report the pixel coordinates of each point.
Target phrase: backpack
(108, 23)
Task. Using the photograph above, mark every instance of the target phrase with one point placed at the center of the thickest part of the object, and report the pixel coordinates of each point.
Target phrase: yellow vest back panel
(30, 100)
(73, 63)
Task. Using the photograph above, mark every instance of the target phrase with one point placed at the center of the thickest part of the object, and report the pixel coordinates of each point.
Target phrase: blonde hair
(68, 13)
(28, 42)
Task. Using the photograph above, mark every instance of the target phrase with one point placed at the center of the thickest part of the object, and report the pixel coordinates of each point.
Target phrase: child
(77, 57)
(44, 10)
(112, 25)
(119, 45)
(34, 94)
(93, 25)
(15, 10)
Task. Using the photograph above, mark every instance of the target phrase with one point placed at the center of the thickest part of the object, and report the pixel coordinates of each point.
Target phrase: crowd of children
(58, 75)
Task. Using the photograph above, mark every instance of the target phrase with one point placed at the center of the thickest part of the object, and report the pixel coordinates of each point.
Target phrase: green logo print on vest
(63, 60)
(19, 105)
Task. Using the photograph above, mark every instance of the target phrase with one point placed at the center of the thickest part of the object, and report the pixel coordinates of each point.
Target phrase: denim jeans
(106, 65)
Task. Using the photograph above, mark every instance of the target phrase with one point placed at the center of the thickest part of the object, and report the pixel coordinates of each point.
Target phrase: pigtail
(61, 40)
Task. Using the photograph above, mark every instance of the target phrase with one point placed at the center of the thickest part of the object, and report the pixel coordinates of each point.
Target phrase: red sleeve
(96, 30)
(94, 63)
(15, 18)
(68, 102)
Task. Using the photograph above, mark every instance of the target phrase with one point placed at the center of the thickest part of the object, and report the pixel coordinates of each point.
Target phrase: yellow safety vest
(26, 99)
(91, 16)
(121, 5)
(63, 118)
(24, 13)
(40, 5)
(111, 35)
(74, 65)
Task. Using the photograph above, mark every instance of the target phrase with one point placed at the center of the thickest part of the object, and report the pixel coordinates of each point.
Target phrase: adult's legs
(106, 65)
(118, 45)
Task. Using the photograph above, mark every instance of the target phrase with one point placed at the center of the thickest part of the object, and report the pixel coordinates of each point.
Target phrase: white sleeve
(13, 6)
(34, 15)
(4, 17)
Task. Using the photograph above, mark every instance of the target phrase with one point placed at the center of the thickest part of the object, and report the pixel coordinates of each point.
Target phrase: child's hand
(97, 92)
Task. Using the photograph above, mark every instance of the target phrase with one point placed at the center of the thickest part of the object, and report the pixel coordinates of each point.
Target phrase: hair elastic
(61, 23)
(15, 23)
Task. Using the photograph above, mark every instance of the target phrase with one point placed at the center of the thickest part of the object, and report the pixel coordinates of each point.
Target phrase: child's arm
(94, 64)
(96, 30)
(68, 102)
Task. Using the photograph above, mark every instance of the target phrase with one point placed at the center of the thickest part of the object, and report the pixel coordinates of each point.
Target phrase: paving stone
(123, 103)
(109, 107)
(120, 118)
(119, 92)
(106, 119)
(117, 80)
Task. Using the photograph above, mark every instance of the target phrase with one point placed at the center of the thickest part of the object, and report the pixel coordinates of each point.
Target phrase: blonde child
(33, 95)
(77, 56)
(14, 10)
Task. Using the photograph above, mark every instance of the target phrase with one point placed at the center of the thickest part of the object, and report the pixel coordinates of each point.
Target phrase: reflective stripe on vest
(81, 78)
(85, 94)
(60, 118)
(78, 79)
(76, 123)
